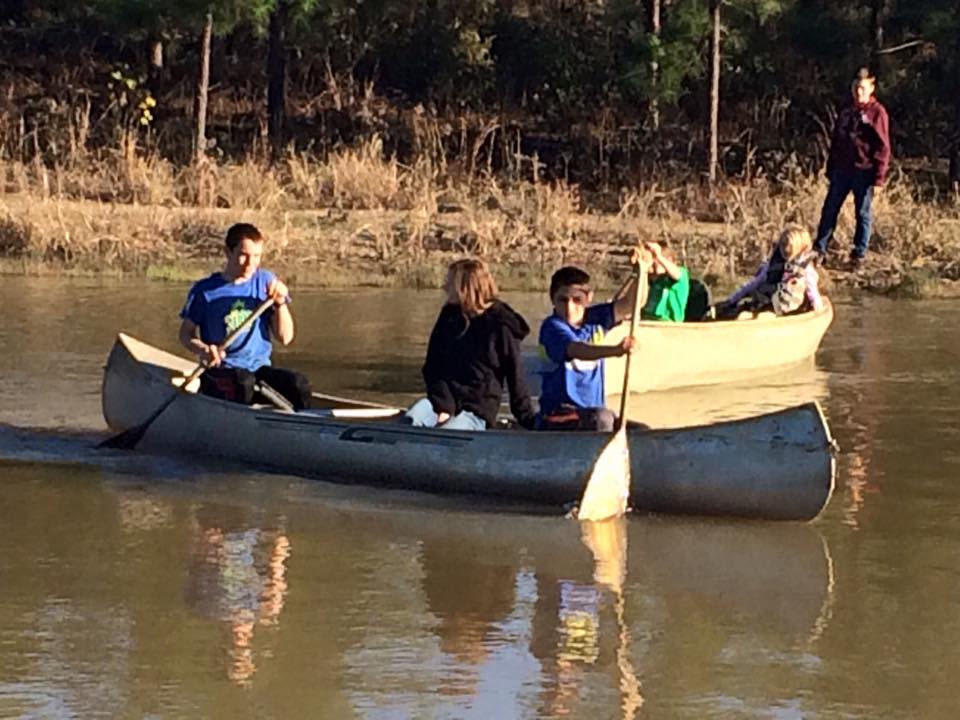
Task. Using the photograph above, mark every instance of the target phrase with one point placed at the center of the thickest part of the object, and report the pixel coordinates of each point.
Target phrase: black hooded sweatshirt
(468, 363)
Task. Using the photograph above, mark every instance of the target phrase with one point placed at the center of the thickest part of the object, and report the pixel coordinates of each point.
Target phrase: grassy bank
(362, 219)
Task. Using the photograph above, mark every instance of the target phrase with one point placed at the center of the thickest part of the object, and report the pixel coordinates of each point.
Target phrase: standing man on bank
(858, 163)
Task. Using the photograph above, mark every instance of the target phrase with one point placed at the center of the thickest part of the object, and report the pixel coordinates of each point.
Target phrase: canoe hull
(671, 355)
(777, 466)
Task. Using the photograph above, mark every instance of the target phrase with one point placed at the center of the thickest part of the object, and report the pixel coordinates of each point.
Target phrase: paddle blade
(608, 488)
(126, 440)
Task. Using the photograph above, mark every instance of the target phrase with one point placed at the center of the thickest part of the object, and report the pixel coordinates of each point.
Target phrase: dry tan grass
(362, 178)
(127, 210)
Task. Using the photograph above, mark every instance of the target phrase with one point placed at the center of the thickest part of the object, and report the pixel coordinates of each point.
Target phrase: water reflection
(237, 574)
(471, 600)
(575, 597)
(607, 542)
(862, 411)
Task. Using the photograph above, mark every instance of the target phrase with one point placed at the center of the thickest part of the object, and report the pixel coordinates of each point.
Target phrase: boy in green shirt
(669, 284)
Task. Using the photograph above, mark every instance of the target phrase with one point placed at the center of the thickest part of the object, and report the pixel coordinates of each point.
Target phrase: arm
(623, 304)
(813, 289)
(281, 322)
(207, 354)
(589, 351)
(521, 404)
(561, 344)
(881, 156)
(669, 266)
(435, 376)
(748, 287)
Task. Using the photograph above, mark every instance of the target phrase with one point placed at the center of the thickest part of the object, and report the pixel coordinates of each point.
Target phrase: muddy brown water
(147, 586)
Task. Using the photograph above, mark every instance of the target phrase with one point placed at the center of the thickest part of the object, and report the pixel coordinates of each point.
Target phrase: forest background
(373, 140)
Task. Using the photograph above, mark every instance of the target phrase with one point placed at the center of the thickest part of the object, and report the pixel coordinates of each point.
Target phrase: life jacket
(785, 285)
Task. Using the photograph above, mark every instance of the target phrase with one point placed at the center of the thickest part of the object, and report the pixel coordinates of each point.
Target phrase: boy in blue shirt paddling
(220, 303)
(572, 394)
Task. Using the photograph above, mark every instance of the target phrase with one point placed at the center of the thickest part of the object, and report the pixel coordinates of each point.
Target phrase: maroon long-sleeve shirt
(861, 141)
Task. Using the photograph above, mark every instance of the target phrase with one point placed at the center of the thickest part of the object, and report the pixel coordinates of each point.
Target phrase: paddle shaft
(130, 437)
(228, 341)
(638, 302)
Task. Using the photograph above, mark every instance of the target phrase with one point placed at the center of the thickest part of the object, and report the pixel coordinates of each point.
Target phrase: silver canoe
(672, 355)
(778, 466)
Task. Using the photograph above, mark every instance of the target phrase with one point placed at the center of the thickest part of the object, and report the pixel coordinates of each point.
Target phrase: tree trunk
(155, 67)
(878, 16)
(714, 89)
(955, 146)
(655, 64)
(880, 11)
(955, 155)
(277, 75)
(203, 86)
(156, 56)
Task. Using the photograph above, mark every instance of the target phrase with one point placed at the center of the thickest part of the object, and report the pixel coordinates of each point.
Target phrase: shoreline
(916, 285)
(343, 248)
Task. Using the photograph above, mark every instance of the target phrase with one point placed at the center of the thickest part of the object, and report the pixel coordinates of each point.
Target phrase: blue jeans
(861, 185)
(421, 414)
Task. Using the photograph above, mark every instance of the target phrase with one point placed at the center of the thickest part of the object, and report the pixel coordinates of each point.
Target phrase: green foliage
(558, 65)
(675, 52)
(130, 100)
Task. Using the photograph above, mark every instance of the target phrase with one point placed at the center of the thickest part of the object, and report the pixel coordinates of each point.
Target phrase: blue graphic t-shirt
(218, 306)
(573, 382)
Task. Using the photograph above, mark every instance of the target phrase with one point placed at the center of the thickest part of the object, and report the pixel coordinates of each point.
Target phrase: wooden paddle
(608, 488)
(129, 438)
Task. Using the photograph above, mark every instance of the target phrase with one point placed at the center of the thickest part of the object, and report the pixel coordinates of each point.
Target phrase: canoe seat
(698, 301)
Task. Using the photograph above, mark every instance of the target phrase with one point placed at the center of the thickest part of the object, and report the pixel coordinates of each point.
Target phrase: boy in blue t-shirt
(572, 393)
(220, 303)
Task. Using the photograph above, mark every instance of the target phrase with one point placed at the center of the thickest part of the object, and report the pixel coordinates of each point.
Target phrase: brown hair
(469, 282)
(240, 232)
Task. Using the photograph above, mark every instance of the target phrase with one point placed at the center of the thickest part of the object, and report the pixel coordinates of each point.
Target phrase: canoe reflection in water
(590, 605)
(237, 574)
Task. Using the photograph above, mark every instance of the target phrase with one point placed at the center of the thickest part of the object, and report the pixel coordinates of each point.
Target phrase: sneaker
(856, 262)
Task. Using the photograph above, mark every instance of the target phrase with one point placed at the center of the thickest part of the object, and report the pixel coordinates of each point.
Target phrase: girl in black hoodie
(474, 350)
